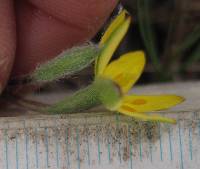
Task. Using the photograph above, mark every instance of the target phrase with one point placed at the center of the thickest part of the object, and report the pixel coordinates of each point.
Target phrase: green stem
(81, 100)
(67, 63)
(101, 91)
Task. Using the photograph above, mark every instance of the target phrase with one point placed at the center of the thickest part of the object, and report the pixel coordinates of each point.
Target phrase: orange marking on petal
(121, 79)
(127, 108)
(139, 102)
(118, 77)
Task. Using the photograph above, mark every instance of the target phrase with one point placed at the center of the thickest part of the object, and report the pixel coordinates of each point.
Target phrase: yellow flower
(125, 71)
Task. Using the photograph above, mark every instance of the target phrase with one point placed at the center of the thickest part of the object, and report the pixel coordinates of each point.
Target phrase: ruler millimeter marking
(109, 141)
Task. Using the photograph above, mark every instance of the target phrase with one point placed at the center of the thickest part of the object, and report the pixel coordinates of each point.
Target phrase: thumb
(7, 40)
(48, 27)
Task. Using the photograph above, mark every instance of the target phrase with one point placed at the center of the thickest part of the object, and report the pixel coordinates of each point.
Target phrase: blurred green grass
(170, 34)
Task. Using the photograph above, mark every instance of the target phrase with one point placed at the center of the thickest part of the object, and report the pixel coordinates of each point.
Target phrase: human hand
(33, 31)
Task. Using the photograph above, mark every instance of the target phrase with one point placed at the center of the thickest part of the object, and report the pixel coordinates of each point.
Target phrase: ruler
(100, 140)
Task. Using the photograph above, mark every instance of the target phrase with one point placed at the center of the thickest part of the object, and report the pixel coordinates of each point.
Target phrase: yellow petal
(113, 26)
(149, 103)
(126, 70)
(110, 46)
(145, 117)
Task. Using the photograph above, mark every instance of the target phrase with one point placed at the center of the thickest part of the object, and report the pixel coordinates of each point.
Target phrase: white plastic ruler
(99, 141)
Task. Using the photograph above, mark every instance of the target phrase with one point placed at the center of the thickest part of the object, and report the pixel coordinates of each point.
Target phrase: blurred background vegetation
(169, 33)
